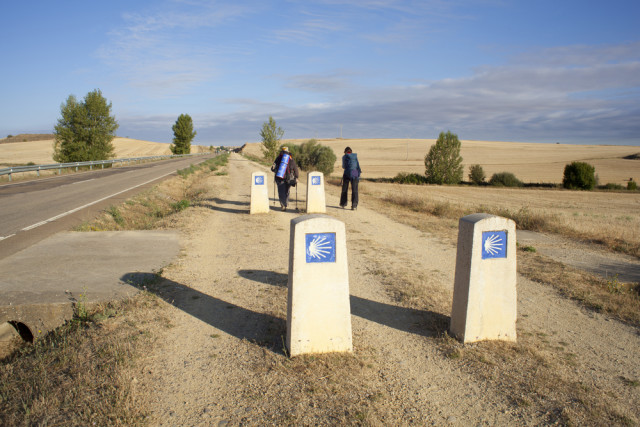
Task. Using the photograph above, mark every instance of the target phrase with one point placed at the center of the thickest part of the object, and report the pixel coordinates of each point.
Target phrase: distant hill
(27, 137)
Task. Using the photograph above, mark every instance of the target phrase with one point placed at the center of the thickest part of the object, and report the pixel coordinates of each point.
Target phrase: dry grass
(326, 389)
(82, 373)
(538, 376)
(154, 209)
(420, 208)
(620, 300)
(610, 219)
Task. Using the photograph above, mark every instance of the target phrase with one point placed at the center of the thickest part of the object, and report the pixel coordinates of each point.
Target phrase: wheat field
(530, 162)
(41, 152)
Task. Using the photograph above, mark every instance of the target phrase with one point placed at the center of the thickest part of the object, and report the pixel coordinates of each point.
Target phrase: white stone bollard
(259, 193)
(484, 294)
(315, 193)
(318, 305)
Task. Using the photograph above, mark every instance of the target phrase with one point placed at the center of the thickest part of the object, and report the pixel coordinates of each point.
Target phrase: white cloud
(160, 51)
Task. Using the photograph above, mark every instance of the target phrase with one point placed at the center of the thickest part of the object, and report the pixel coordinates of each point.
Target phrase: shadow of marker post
(263, 329)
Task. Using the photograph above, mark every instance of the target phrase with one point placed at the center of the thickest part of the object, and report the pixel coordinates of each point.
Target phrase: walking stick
(296, 197)
(274, 191)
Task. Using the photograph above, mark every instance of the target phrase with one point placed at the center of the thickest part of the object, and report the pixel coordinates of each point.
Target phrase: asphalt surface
(34, 210)
(45, 270)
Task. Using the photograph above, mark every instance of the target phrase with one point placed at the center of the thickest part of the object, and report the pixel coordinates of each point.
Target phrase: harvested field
(530, 162)
(41, 152)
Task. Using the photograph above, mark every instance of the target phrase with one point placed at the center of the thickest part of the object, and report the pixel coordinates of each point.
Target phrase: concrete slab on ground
(38, 284)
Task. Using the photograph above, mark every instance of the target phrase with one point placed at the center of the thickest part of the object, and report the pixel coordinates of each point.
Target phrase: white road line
(6, 237)
(31, 227)
(80, 182)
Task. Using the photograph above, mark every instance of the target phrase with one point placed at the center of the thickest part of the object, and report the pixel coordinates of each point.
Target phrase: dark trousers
(283, 191)
(345, 190)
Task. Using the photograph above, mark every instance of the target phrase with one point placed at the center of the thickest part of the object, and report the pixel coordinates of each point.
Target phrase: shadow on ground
(269, 331)
(420, 322)
(260, 328)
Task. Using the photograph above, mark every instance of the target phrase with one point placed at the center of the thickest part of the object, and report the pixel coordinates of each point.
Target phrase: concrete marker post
(315, 193)
(259, 193)
(318, 305)
(484, 295)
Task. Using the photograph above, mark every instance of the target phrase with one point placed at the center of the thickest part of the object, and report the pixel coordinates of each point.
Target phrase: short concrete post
(318, 306)
(315, 193)
(484, 294)
(259, 193)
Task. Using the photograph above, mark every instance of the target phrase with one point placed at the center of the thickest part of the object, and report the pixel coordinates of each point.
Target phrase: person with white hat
(287, 173)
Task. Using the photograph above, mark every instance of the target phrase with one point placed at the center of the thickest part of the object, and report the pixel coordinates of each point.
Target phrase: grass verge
(156, 207)
(82, 372)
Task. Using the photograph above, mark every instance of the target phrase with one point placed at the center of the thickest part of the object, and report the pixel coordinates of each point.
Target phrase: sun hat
(285, 148)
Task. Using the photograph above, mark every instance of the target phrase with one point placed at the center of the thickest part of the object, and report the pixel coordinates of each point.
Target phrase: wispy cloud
(559, 102)
(326, 83)
(160, 50)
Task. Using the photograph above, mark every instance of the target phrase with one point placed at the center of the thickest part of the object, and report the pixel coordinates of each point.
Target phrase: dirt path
(222, 362)
(584, 256)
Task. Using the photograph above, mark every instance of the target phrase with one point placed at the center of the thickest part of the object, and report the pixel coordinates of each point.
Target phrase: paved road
(31, 211)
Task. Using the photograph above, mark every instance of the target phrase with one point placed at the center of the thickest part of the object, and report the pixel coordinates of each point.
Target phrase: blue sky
(535, 71)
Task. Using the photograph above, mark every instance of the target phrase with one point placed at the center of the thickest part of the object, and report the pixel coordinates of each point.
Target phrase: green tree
(505, 179)
(183, 134)
(85, 131)
(311, 156)
(476, 174)
(443, 162)
(271, 136)
(579, 176)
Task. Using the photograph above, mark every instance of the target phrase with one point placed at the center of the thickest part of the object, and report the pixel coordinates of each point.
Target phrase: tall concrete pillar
(259, 193)
(318, 310)
(315, 193)
(484, 295)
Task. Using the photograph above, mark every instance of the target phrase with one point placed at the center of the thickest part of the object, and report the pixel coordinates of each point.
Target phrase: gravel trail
(227, 297)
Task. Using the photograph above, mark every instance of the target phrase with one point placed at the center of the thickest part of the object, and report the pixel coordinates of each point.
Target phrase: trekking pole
(296, 197)
(274, 191)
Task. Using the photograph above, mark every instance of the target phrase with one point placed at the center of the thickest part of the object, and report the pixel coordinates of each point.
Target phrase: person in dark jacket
(351, 175)
(285, 168)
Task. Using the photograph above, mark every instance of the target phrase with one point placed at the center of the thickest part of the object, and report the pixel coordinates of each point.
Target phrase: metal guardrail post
(59, 166)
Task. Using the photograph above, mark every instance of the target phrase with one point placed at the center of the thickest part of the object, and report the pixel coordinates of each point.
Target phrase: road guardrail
(91, 164)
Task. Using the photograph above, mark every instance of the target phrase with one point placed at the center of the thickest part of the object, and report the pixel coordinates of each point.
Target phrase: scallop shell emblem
(493, 245)
(319, 247)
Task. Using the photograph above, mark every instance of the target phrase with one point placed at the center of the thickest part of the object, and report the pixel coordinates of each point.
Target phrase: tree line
(86, 129)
